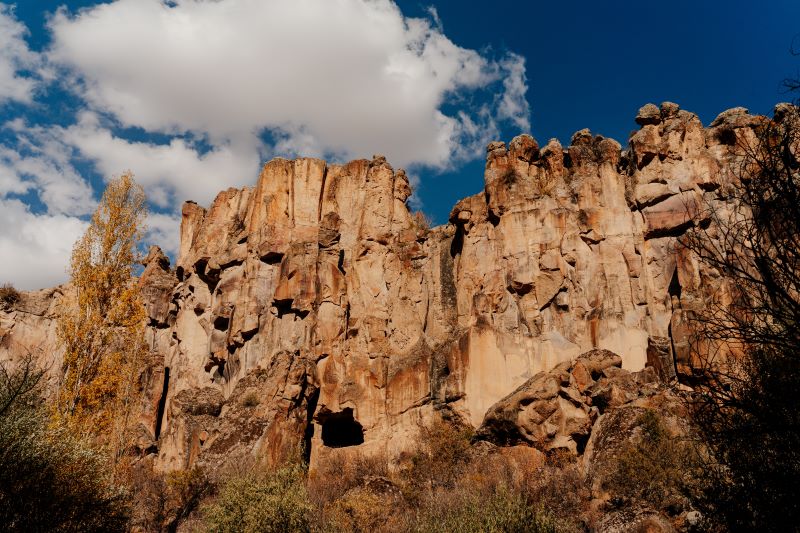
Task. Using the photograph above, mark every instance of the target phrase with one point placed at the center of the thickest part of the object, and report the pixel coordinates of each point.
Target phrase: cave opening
(674, 288)
(341, 429)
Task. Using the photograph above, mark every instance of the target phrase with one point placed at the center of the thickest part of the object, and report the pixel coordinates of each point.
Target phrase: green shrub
(655, 467)
(502, 511)
(49, 479)
(275, 501)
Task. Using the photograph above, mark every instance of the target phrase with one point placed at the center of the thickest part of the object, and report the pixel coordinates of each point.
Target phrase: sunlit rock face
(314, 311)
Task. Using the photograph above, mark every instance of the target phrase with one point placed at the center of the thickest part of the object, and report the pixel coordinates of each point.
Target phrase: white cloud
(35, 247)
(343, 77)
(170, 173)
(15, 56)
(41, 161)
(165, 231)
(513, 103)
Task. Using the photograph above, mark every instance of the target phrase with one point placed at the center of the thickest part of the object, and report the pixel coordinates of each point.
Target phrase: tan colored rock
(661, 358)
(317, 293)
(557, 409)
(648, 114)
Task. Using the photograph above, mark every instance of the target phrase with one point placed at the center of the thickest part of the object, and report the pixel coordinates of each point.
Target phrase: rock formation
(315, 308)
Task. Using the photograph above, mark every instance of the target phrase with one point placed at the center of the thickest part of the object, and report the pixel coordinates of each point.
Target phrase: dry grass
(250, 399)
(446, 485)
(421, 221)
(8, 294)
(655, 468)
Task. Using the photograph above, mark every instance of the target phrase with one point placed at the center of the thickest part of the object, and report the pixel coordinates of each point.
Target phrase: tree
(101, 324)
(745, 407)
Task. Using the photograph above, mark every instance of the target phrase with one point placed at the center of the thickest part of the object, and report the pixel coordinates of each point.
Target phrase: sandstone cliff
(314, 307)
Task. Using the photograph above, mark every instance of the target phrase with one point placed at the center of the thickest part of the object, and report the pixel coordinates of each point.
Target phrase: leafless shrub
(8, 294)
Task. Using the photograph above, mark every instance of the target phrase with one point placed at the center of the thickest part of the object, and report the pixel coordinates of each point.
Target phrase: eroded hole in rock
(520, 288)
(162, 403)
(457, 244)
(209, 276)
(272, 258)
(646, 158)
(221, 323)
(340, 430)
(581, 441)
(284, 307)
(340, 265)
(675, 285)
(726, 135)
(674, 231)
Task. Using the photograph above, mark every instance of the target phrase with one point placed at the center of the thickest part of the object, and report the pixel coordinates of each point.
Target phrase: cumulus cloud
(193, 95)
(342, 77)
(165, 231)
(15, 58)
(170, 173)
(35, 247)
(42, 162)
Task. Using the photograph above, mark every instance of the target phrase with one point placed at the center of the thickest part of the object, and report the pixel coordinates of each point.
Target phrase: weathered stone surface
(648, 114)
(157, 282)
(556, 409)
(318, 310)
(661, 358)
(28, 327)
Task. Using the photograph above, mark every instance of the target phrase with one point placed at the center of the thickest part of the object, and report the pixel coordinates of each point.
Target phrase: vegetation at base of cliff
(50, 480)
(64, 461)
(257, 501)
(657, 468)
(459, 491)
(163, 502)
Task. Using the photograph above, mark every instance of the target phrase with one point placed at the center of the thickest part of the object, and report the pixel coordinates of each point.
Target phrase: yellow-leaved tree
(101, 324)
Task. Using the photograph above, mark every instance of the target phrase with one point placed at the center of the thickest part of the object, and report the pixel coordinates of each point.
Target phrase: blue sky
(194, 95)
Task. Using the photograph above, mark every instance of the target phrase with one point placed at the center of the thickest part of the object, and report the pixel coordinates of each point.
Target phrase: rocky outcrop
(313, 309)
(28, 329)
(558, 408)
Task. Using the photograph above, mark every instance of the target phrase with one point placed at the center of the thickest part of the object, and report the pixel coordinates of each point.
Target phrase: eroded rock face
(557, 409)
(313, 309)
(28, 329)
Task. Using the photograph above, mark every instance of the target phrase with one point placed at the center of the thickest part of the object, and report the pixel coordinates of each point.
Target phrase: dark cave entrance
(342, 429)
